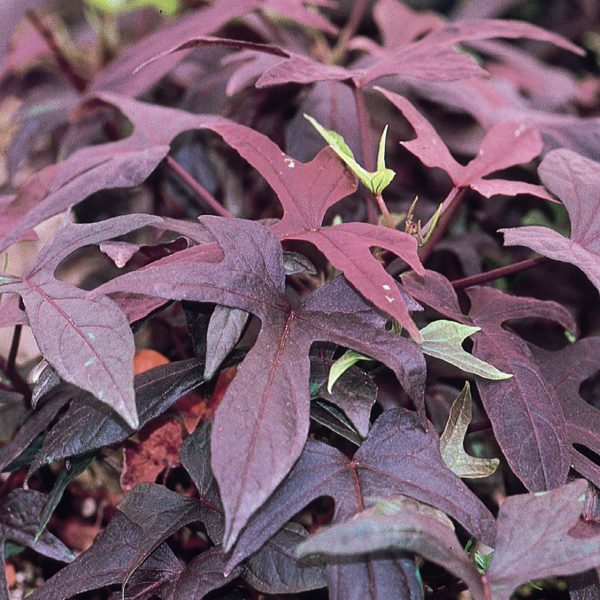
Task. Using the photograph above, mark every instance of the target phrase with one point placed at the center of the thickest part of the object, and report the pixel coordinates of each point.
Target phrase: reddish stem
(356, 16)
(479, 426)
(197, 187)
(480, 278)
(384, 211)
(77, 80)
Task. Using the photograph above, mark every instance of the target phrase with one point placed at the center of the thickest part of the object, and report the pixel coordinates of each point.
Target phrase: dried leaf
(453, 438)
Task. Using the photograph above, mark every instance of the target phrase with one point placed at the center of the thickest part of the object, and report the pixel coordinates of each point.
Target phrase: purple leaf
(117, 76)
(306, 191)
(565, 371)
(125, 163)
(224, 331)
(525, 412)
(354, 392)
(575, 180)
(557, 542)
(492, 102)
(431, 58)
(276, 569)
(87, 426)
(255, 443)
(398, 523)
(87, 341)
(399, 457)
(503, 146)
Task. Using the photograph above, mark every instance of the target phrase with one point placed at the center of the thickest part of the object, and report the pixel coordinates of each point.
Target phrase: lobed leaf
(453, 438)
(443, 339)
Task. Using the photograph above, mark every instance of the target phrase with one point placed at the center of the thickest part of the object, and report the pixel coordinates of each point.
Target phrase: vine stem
(80, 83)
(384, 211)
(196, 187)
(11, 363)
(359, 8)
(77, 80)
(480, 278)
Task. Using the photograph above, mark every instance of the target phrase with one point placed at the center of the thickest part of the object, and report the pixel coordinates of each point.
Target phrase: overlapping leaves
(256, 442)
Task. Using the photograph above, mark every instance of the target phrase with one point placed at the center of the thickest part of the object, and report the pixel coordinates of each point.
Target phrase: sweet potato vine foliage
(254, 347)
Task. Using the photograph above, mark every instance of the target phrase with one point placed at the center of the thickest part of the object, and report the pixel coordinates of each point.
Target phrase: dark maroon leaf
(396, 524)
(125, 163)
(565, 371)
(202, 575)
(575, 180)
(89, 426)
(399, 457)
(347, 246)
(156, 573)
(556, 542)
(160, 513)
(102, 565)
(276, 569)
(525, 412)
(273, 569)
(585, 586)
(354, 392)
(539, 535)
(505, 145)
(86, 340)
(255, 443)
(195, 458)
(224, 331)
(20, 513)
(33, 426)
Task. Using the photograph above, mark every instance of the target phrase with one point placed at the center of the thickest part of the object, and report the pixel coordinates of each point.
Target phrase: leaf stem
(384, 211)
(480, 278)
(359, 8)
(364, 132)
(450, 207)
(11, 363)
(196, 187)
(78, 81)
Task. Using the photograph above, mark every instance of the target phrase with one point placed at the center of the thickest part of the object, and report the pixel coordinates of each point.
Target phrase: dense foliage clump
(271, 321)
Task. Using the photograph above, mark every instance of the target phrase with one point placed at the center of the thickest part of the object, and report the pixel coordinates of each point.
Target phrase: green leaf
(443, 339)
(116, 7)
(7, 279)
(453, 437)
(375, 181)
(433, 223)
(342, 364)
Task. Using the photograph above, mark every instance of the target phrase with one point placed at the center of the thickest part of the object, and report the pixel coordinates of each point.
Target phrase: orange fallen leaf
(157, 449)
(146, 359)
